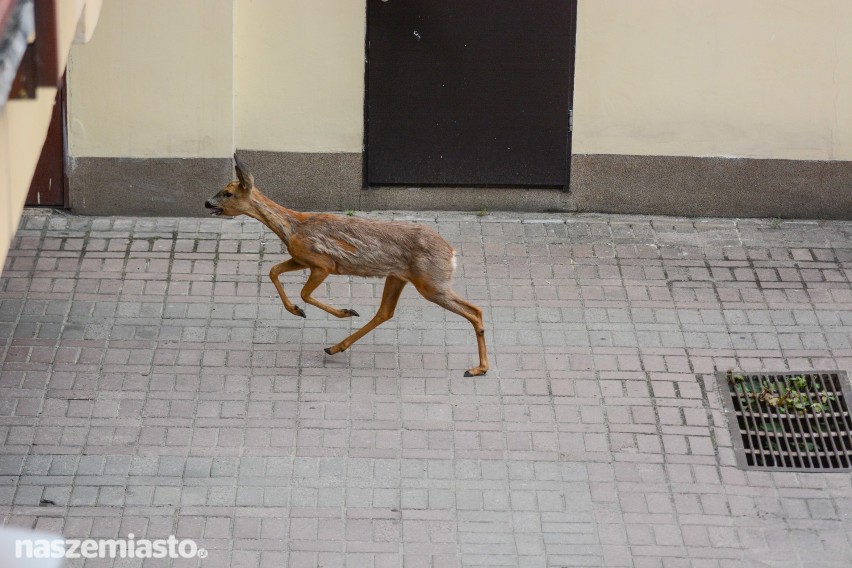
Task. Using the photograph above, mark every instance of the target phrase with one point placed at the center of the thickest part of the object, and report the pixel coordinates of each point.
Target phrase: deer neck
(280, 220)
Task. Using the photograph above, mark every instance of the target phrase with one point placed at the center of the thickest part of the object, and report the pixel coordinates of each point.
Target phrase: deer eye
(228, 194)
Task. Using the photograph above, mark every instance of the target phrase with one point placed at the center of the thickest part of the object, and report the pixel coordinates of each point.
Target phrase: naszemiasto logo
(129, 547)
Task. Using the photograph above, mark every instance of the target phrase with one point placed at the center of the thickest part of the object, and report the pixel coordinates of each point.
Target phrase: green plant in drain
(791, 397)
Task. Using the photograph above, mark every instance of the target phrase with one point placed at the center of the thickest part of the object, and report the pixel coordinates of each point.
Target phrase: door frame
(62, 100)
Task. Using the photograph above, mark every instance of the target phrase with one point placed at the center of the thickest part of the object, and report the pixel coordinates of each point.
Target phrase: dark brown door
(472, 92)
(48, 185)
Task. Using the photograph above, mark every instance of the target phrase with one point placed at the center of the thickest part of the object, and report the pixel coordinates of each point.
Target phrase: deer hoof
(352, 313)
(328, 350)
(474, 374)
(300, 312)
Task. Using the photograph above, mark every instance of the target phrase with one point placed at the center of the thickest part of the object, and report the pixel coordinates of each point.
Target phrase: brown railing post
(47, 43)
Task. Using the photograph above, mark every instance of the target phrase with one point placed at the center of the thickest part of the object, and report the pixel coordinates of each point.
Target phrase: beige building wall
(691, 81)
(23, 126)
(278, 75)
(299, 75)
(155, 81)
(24, 122)
(757, 79)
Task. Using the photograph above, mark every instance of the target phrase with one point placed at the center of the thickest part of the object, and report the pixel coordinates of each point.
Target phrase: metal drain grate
(789, 421)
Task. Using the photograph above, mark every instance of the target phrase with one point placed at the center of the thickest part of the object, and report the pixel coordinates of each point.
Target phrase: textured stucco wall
(299, 75)
(155, 80)
(196, 78)
(760, 78)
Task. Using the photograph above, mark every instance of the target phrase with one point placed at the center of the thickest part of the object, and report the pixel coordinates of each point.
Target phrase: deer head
(235, 198)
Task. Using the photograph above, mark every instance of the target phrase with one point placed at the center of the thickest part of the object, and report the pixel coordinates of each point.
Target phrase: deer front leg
(318, 275)
(277, 270)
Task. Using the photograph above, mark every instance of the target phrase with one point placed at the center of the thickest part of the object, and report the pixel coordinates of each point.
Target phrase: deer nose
(208, 205)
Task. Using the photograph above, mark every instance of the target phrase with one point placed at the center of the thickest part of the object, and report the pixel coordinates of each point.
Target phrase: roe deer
(332, 244)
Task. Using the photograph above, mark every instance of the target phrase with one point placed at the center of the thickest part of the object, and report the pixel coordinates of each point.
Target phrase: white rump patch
(454, 262)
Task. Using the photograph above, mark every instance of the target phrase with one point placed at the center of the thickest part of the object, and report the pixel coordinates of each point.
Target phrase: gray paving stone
(150, 379)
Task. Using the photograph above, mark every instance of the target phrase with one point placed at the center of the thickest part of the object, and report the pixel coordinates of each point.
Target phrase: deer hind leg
(449, 300)
(277, 270)
(318, 275)
(390, 297)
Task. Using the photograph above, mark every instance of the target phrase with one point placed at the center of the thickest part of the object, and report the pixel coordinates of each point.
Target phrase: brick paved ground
(150, 382)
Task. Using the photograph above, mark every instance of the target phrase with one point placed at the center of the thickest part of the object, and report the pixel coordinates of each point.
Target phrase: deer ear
(246, 179)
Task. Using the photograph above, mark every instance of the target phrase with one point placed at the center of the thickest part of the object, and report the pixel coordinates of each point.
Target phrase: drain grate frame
(765, 438)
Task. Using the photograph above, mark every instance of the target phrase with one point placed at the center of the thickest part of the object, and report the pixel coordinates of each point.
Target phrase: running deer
(332, 244)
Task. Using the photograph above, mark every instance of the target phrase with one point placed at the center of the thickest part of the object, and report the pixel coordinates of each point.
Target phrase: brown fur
(333, 244)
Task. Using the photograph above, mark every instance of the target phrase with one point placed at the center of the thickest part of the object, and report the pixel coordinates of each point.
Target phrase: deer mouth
(215, 211)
